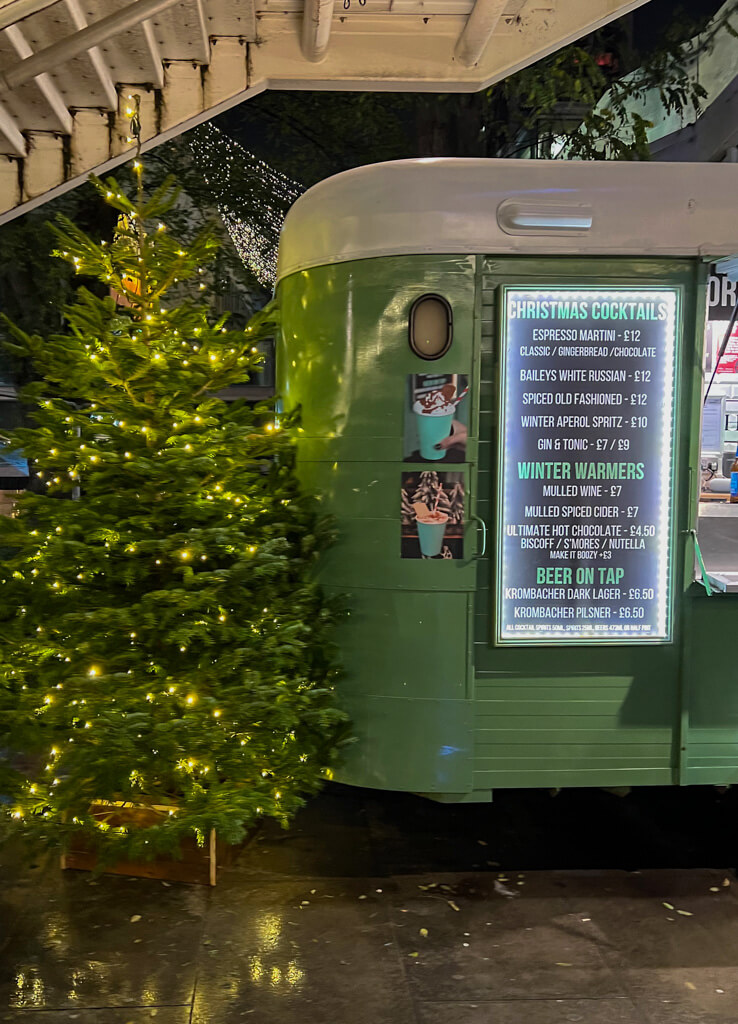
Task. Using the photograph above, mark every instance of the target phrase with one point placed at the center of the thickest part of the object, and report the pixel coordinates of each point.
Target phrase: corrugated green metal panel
(351, 448)
(343, 358)
(509, 750)
(362, 490)
(566, 731)
(563, 760)
(723, 775)
(415, 745)
(534, 704)
(364, 552)
(711, 687)
(716, 734)
(554, 777)
(540, 713)
(712, 753)
(488, 683)
(416, 668)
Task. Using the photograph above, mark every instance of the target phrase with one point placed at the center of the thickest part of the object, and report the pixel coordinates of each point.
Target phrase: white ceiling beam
(203, 31)
(95, 54)
(12, 11)
(71, 46)
(154, 53)
(317, 20)
(12, 133)
(46, 87)
(480, 25)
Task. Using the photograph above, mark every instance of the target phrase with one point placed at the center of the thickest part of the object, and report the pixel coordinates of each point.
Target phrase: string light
(238, 182)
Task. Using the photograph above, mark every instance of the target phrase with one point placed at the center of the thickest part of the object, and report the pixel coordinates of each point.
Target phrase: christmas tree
(428, 487)
(407, 511)
(431, 492)
(163, 642)
(456, 502)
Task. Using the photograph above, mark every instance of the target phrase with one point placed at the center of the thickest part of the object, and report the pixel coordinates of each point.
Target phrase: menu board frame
(503, 417)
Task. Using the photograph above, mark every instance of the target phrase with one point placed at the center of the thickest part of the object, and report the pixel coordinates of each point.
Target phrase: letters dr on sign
(586, 465)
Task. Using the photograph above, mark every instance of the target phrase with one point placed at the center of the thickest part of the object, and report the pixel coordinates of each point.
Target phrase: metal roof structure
(68, 67)
(545, 207)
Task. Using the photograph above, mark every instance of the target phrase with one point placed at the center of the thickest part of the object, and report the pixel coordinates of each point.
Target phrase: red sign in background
(729, 362)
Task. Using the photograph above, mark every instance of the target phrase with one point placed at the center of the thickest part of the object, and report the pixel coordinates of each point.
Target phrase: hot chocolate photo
(436, 417)
(432, 513)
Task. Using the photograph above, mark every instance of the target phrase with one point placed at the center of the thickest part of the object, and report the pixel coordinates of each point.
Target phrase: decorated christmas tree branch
(163, 640)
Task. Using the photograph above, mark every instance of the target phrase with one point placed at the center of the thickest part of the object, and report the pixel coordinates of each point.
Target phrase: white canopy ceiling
(68, 67)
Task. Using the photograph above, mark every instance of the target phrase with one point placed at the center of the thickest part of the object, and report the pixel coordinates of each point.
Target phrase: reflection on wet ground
(389, 909)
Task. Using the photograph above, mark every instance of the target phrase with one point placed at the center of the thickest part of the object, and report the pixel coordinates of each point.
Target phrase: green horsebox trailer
(500, 369)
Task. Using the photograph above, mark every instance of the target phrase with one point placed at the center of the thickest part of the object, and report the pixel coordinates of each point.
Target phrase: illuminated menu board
(586, 463)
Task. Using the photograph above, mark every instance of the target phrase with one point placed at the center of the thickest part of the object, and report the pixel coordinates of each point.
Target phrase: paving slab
(75, 941)
(101, 1015)
(532, 1011)
(466, 938)
(303, 952)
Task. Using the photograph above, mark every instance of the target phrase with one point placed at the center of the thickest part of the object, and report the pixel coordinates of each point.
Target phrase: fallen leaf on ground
(726, 882)
(688, 984)
(452, 905)
(668, 906)
(413, 954)
(503, 890)
(685, 913)
(714, 888)
(562, 964)
(136, 917)
(424, 932)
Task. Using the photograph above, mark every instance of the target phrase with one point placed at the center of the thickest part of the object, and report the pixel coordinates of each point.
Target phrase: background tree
(163, 642)
(550, 108)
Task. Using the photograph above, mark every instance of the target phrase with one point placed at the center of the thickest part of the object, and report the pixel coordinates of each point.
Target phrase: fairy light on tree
(139, 662)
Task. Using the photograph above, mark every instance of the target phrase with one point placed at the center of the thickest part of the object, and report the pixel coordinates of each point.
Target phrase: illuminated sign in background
(586, 465)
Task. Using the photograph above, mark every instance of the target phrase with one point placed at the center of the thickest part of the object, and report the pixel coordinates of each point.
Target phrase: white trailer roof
(554, 207)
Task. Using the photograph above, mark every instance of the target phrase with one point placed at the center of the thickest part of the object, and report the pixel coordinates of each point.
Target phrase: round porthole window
(431, 326)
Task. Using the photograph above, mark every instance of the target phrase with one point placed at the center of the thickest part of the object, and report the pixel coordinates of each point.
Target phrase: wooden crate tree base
(198, 864)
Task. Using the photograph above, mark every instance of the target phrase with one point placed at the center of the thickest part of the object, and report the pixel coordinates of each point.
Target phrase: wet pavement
(389, 909)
